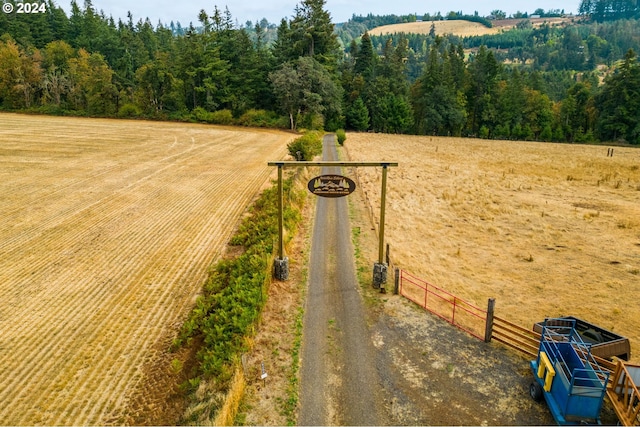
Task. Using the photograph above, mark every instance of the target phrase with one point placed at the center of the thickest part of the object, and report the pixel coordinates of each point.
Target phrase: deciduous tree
(20, 75)
(306, 90)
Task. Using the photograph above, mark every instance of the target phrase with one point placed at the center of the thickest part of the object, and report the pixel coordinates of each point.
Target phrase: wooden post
(383, 200)
(488, 331)
(388, 257)
(281, 264)
(396, 287)
(280, 214)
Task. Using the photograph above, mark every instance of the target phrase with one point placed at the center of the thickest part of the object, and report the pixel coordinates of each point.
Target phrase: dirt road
(339, 381)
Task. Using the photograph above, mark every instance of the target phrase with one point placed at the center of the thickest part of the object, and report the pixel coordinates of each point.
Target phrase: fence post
(396, 286)
(488, 330)
(388, 257)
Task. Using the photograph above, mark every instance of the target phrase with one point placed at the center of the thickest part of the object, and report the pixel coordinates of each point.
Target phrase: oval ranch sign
(331, 186)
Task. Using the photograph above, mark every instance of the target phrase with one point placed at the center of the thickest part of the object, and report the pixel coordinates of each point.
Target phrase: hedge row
(235, 292)
(251, 118)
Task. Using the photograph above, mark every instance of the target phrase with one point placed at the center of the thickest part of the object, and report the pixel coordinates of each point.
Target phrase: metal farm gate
(443, 304)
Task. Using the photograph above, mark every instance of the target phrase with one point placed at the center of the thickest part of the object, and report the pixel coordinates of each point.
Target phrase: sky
(186, 11)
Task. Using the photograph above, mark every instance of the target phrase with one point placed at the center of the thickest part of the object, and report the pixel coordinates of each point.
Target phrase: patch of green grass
(288, 407)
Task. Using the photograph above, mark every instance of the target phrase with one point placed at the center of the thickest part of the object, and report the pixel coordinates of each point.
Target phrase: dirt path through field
(108, 229)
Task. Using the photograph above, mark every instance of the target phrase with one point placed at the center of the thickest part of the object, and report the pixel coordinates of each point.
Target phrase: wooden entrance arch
(281, 265)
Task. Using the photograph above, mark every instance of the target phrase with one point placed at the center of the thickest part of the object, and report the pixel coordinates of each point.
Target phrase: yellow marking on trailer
(545, 364)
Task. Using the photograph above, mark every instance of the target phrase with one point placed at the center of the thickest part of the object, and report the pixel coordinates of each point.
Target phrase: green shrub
(263, 119)
(484, 132)
(341, 135)
(50, 110)
(218, 117)
(180, 116)
(546, 134)
(202, 115)
(307, 146)
(129, 110)
(222, 117)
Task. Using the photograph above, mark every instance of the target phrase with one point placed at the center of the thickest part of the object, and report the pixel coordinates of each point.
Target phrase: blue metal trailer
(567, 376)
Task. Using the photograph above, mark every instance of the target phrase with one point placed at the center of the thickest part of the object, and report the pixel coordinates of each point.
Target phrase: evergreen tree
(312, 34)
(619, 103)
(438, 103)
(511, 102)
(358, 116)
(283, 50)
(365, 58)
(484, 71)
(601, 10)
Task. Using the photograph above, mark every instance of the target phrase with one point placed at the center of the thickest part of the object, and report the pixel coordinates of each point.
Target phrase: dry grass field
(108, 228)
(459, 27)
(546, 229)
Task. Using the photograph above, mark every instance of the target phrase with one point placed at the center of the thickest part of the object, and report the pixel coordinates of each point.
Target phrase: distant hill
(463, 28)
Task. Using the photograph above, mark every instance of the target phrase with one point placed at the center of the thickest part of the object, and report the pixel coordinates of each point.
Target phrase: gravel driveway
(338, 382)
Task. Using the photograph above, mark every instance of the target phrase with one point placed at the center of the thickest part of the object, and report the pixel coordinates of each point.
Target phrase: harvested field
(546, 229)
(109, 227)
(459, 27)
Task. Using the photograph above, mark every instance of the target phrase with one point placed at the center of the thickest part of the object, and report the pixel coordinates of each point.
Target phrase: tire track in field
(48, 192)
(71, 238)
(151, 312)
(48, 225)
(96, 343)
(75, 185)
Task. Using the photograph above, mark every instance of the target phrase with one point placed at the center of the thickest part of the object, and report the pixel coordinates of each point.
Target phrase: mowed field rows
(108, 228)
(546, 229)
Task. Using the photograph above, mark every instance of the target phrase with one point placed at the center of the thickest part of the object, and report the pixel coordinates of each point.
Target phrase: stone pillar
(281, 269)
(379, 275)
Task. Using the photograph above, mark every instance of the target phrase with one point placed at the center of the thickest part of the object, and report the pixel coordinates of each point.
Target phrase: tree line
(304, 77)
(603, 10)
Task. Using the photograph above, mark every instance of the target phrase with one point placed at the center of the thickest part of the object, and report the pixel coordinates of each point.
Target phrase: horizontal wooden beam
(293, 163)
(532, 354)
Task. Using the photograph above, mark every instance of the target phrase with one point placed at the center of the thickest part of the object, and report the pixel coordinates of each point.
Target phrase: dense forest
(578, 82)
